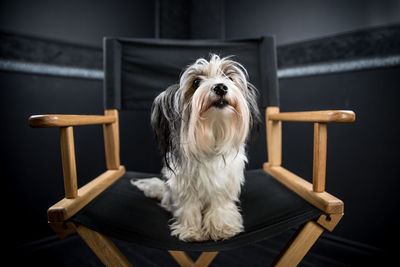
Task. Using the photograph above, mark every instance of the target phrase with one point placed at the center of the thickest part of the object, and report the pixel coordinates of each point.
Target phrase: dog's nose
(220, 89)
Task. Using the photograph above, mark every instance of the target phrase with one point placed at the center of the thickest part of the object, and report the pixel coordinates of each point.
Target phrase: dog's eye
(230, 78)
(196, 83)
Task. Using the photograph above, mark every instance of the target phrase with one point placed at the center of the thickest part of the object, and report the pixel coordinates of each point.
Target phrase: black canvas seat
(122, 211)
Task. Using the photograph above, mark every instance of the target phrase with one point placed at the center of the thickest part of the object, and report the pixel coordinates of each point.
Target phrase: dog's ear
(164, 120)
(252, 96)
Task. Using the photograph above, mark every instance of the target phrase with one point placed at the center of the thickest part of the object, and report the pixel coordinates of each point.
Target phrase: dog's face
(210, 112)
(217, 83)
(219, 99)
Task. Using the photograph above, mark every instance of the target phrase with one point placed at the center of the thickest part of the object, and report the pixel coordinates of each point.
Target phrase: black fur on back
(166, 122)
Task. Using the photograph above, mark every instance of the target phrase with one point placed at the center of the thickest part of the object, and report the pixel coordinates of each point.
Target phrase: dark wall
(80, 22)
(190, 19)
(293, 21)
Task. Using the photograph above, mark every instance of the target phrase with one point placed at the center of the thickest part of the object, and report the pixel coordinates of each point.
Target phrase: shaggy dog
(202, 125)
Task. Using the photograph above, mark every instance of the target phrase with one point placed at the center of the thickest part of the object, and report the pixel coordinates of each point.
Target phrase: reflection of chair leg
(185, 261)
(103, 247)
(300, 245)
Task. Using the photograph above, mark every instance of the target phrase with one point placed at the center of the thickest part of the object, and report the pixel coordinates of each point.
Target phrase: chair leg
(103, 247)
(300, 245)
(62, 229)
(184, 260)
(205, 259)
(181, 258)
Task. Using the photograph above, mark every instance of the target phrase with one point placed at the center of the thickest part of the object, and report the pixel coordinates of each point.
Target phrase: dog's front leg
(222, 220)
(187, 224)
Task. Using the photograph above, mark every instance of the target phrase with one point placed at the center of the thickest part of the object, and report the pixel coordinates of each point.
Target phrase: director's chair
(273, 199)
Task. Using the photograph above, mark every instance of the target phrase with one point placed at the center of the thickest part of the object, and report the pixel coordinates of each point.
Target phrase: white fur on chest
(209, 180)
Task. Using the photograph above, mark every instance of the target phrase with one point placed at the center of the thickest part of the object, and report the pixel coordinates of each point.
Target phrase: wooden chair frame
(75, 199)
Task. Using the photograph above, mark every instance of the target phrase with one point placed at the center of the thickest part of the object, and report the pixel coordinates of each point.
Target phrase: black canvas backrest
(137, 70)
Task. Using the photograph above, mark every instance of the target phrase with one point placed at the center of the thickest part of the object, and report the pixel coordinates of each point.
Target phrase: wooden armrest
(315, 116)
(56, 120)
(323, 200)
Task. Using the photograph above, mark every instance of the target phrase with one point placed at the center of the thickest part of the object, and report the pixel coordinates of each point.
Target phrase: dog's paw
(222, 231)
(187, 234)
(151, 187)
(222, 223)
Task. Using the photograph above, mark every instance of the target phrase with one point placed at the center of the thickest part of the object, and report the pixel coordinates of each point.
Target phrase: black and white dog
(202, 125)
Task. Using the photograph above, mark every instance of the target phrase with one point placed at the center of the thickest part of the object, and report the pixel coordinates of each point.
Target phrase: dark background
(362, 157)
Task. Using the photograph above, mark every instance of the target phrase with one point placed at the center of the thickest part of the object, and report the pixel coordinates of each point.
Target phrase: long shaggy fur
(202, 125)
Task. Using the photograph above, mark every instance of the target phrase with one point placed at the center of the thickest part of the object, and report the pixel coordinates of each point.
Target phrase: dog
(202, 125)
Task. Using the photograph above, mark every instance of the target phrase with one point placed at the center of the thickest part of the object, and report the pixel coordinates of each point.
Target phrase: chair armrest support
(67, 207)
(65, 124)
(320, 119)
(58, 120)
(315, 116)
(323, 200)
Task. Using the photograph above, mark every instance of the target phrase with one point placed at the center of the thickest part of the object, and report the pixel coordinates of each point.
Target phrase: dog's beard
(215, 130)
(215, 124)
